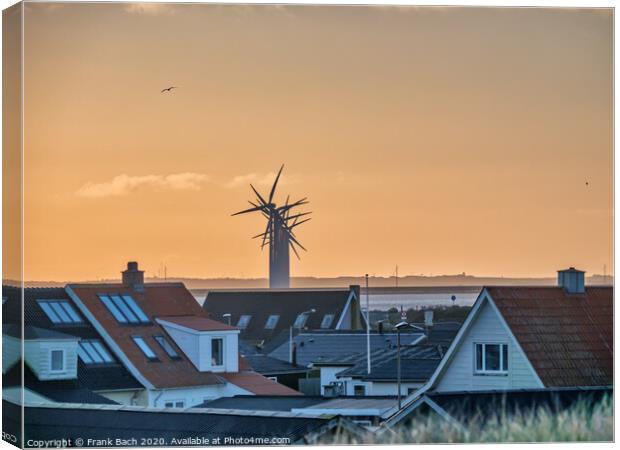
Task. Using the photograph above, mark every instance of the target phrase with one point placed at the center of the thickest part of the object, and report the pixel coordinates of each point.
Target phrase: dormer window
(60, 312)
(57, 360)
(327, 321)
(244, 320)
(217, 352)
(300, 321)
(272, 321)
(491, 359)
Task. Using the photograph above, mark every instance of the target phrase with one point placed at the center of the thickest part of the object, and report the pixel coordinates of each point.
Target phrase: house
(84, 425)
(348, 374)
(65, 357)
(520, 338)
(277, 370)
(166, 341)
(263, 314)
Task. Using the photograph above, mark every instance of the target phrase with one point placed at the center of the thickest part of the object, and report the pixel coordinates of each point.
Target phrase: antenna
(278, 234)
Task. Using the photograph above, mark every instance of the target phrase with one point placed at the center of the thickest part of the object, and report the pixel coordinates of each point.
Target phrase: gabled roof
(286, 303)
(95, 377)
(317, 346)
(568, 338)
(156, 300)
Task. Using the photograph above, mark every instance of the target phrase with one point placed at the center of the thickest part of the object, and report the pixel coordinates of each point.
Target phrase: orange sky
(440, 139)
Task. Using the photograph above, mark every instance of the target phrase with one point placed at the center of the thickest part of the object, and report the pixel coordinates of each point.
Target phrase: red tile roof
(157, 300)
(198, 323)
(567, 338)
(258, 384)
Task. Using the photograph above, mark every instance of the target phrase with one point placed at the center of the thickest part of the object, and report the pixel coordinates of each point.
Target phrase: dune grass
(582, 422)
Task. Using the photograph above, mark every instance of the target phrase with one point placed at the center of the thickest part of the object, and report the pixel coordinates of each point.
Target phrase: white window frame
(223, 339)
(174, 403)
(64, 360)
(484, 370)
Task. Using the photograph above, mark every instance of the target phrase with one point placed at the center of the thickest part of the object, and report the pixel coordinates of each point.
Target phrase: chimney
(133, 277)
(572, 280)
(428, 318)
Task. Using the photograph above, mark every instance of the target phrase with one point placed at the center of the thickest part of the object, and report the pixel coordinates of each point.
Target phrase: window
(244, 320)
(300, 321)
(272, 321)
(124, 309)
(327, 321)
(174, 404)
(92, 351)
(359, 389)
(60, 312)
(169, 349)
(57, 360)
(491, 358)
(217, 352)
(148, 352)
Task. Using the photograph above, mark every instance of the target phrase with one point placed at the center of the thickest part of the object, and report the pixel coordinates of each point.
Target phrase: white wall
(328, 375)
(459, 373)
(37, 356)
(194, 396)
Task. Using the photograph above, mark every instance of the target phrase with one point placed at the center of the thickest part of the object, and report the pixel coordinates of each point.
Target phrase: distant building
(262, 315)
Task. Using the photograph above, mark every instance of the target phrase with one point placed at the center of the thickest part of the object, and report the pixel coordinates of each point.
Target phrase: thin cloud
(125, 184)
(257, 179)
(149, 9)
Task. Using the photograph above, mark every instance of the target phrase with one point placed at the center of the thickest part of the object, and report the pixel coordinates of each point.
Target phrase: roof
(34, 333)
(417, 364)
(157, 300)
(267, 365)
(258, 384)
(263, 402)
(196, 427)
(197, 323)
(568, 338)
(96, 377)
(316, 346)
(65, 391)
(286, 303)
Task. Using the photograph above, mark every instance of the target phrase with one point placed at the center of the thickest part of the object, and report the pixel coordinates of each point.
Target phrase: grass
(582, 422)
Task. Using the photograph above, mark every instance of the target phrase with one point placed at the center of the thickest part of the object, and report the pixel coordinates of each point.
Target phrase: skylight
(272, 321)
(300, 321)
(327, 320)
(124, 309)
(244, 320)
(92, 351)
(142, 345)
(60, 311)
(169, 349)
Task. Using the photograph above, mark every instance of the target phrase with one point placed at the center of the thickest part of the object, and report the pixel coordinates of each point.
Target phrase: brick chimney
(133, 277)
(572, 280)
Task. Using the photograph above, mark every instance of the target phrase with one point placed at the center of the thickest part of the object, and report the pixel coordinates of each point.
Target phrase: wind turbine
(279, 233)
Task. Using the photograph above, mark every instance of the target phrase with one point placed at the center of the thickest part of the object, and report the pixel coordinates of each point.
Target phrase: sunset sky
(444, 140)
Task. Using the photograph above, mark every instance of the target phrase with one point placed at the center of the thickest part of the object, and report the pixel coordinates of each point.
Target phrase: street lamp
(227, 316)
(290, 340)
(399, 326)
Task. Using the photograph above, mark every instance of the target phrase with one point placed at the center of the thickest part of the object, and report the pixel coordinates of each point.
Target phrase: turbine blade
(299, 215)
(267, 233)
(296, 224)
(260, 198)
(294, 249)
(275, 183)
(255, 208)
(292, 238)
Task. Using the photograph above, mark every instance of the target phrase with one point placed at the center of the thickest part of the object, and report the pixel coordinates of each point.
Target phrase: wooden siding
(487, 327)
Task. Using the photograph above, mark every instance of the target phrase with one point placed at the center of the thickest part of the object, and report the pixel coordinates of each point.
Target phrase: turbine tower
(279, 233)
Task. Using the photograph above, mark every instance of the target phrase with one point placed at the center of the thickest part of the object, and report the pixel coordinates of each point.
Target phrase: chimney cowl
(572, 280)
(133, 278)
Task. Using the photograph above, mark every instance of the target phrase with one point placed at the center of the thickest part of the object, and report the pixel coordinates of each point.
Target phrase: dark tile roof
(485, 405)
(32, 333)
(567, 338)
(317, 346)
(96, 377)
(157, 300)
(418, 363)
(63, 391)
(68, 422)
(267, 365)
(263, 402)
(198, 323)
(287, 303)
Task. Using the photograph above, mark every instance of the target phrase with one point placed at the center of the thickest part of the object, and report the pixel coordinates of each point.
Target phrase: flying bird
(169, 89)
